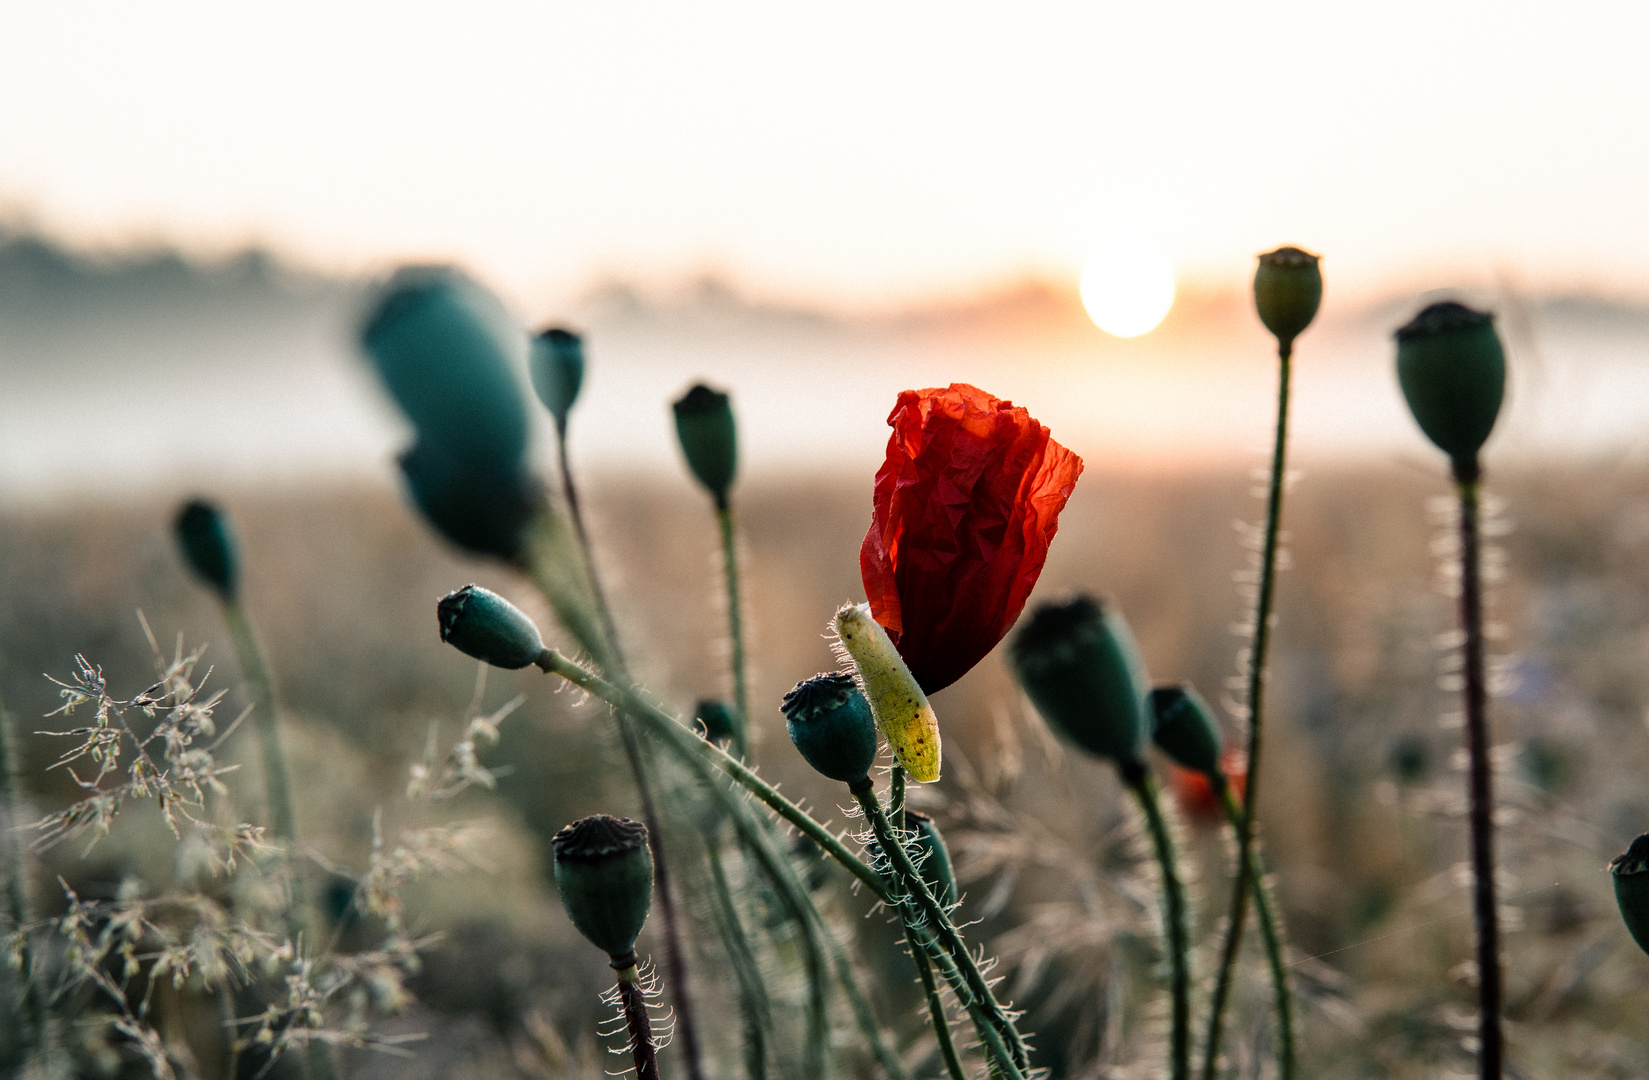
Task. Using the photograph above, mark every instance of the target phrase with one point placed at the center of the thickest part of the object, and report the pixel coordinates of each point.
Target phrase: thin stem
(570, 491)
(896, 798)
(1254, 705)
(920, 904)
(936, 1010)
(1489, 1066)
(753, 1009)
(1173, 893)
(1281, 991)
(17, 891)
(640, 1025)
(735, 623)
(862, 1015)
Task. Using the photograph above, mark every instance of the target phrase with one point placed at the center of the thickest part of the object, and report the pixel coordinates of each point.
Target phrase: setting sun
(1128, 288)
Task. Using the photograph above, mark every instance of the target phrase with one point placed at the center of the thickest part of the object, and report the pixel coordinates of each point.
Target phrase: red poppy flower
(966, 506)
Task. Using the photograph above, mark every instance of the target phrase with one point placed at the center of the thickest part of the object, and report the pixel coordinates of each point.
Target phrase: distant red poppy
(966, 506)
(1195, 794)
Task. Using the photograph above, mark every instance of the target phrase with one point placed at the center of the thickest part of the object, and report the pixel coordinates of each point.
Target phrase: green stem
(1173, 893)
(896, 798)
(920, 903)
(1254, 705)
(868, 1027)
(936, 1010)
(17, 892)
(640, 1026)
(1281, 992)
(752, 993)
(735, 623)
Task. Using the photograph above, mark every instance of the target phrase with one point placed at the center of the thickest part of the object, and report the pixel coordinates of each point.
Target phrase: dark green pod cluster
(934, 858)
(830, 722)
(208, 545)
(1183, 727)
(604, 872)
(1288, 287)
(1453, 373)
(1078, 663)
(716, 721)
(1631, 876)
(709, 439)
(488, 627)
(556, 364)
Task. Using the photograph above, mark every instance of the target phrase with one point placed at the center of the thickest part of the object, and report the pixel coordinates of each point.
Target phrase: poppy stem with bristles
(936, 1010)
(633, 1000)
(1173, 895)
(1263, 915)
(735, 626)
(1254, 706)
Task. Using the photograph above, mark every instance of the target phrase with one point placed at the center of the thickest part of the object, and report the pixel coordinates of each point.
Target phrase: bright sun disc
(1128, 288)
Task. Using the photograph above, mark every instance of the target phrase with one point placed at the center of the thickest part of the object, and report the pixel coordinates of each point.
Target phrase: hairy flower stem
(1484, 909)
(278, 785)
(753, 999)
(1173, 899)
(640, 1025)
(17, 892)
(936, 1010)
(919, 907)
(1281, 991)
(735, 625)
(1254, 706)
(896, 798)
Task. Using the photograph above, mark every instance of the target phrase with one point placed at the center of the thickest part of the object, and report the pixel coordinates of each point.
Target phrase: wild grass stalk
(35, 1036)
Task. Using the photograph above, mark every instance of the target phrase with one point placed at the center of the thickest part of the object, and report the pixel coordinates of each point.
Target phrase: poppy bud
(829, 720)
(485, 511)
(557, 367)
(935, 858)
(208, 545)
(1183, 727)
(1083, 672)
(896, 699)
(1453, 373)
(716, 721)
(704, 426)
(1288, 286)
(604, 872)
(488, 627)
(446, 350)
(1631, 874)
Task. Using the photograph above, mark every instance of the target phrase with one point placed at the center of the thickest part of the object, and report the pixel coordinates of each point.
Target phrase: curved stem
(1254, 705)
(1179, 1057)
(936, 1010)
(735, 624)
(1282, 994)
(1484, 909)
(752, 993)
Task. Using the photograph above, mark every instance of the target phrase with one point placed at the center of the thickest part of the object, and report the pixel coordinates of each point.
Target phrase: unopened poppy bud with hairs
(1182, 726)
(604, 872)
(1453, 373)
(1078, 663)
(1288, 287)
(1631, 875)
(557, 367)
(488, 627)
(716, 721)
(208, 545)
(830, 722)
(709, 440)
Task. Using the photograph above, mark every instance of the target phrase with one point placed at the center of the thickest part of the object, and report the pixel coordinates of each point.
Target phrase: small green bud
(830, 722)
(1078, 663)
(604, 872)
(447, 352)
(1183, 727)
(483, 510)
(704, 426)
(557, 367)
(716, 721)
(935, 859)
(208, 545)
(1288, 287)
(1631, 874)
(1453, 373)
(484, 625)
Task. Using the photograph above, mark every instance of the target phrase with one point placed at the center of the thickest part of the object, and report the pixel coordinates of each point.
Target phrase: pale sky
(851, 152)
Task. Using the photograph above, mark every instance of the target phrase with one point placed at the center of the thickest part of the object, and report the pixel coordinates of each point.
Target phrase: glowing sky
(851, 152)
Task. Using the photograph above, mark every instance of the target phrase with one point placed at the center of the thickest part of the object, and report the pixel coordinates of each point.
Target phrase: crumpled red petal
(966, 505)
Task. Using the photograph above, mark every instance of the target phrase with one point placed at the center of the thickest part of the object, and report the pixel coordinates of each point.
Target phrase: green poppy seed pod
(557, 367)
(1453, 373)
(716, 721)
(1631, 874)
(1183, 727)
(488, 627)
(604, 872)
(483, 509)
(830, 722)
(1078, 663)
(447, 352)
(936, 865)
(208, 545)
(1288, 287)
(709, 440)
